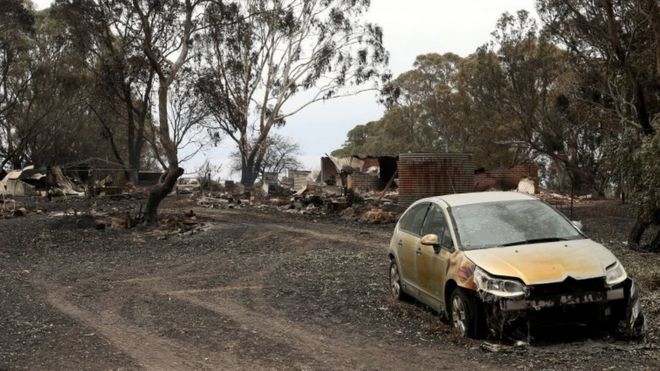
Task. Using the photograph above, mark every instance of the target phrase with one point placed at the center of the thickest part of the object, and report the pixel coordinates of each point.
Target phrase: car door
(408, 241)
(432, 267)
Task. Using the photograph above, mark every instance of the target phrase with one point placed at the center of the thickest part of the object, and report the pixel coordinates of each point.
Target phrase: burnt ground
(259, 290)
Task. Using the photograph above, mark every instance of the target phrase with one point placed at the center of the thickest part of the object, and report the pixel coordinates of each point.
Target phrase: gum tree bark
(161, 35)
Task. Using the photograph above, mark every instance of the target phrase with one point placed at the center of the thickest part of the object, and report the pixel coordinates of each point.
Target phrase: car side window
(412, 221)
(436, 223)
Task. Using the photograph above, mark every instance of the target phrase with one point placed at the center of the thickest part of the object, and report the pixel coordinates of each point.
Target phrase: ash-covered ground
(259, 289)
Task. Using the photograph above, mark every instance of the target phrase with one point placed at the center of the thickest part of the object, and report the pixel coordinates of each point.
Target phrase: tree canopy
(579, 94)
(261, 54)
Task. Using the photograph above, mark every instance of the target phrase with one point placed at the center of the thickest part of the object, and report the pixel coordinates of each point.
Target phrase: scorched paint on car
(494, 260)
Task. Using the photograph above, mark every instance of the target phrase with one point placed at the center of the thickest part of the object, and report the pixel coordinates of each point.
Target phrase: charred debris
(370, 189)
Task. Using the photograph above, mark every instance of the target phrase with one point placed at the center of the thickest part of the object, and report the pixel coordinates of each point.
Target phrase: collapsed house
(38, 182)
(25, 182)
(505, 178)
(405, 178)
(370, 173)
(98, 173)
(299, 179)
(76, 178)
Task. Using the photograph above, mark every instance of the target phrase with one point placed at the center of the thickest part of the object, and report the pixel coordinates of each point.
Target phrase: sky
(411, 28)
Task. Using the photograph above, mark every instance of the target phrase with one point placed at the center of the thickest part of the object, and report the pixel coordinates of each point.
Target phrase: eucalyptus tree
(53, 121)
(281, 154)
(620, 38)
(426, 95)
(618, 42)
(188, 119)
(122, 101)
(268, 60)
(165, 31)
(535, 90)
(43, 92)
(16, 40)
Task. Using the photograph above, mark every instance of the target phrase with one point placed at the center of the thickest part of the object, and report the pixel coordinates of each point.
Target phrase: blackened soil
(257, 290)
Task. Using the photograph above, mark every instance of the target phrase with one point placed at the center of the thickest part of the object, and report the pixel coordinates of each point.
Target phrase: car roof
(478, 197)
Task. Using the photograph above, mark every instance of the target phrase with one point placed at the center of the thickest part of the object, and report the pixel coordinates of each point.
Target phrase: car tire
(396, 289)
(464, 315)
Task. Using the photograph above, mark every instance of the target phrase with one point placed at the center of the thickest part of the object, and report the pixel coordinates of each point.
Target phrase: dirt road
(252, 292)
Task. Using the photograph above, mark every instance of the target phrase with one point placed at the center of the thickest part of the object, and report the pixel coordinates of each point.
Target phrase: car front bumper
(564, 300)
(617, 307)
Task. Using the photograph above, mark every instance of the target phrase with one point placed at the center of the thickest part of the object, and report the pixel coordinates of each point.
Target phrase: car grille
(569, 286)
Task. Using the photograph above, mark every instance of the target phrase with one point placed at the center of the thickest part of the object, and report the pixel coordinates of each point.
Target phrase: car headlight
(497, 286)
(615, 274)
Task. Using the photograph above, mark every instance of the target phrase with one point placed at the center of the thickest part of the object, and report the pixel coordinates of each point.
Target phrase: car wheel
(463, 313)
(395, 282)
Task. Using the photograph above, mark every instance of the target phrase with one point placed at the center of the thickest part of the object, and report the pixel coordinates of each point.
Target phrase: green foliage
(44, 117)
(617, 44)
(514, 100)
(638, 159)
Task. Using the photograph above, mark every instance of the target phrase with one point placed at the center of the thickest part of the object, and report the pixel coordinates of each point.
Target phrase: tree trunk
(173, 172)
(134, 164)
(159, 192)
(637, 232)
(249, 175)
(250, 165)
(655, 244)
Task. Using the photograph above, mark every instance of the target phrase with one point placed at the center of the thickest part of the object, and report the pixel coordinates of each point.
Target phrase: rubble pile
(9, 209)
(178, 224)
(378, 216)
(311, 200)
(559, 200)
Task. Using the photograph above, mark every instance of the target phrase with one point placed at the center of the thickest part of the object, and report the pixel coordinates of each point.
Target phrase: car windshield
(508, 223)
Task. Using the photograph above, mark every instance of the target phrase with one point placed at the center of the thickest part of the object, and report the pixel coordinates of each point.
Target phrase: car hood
(545, 262)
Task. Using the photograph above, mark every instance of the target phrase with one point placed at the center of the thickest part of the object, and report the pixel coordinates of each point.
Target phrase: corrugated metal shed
(364, 182)
(24, 182)
(299, 178)
(432, 174)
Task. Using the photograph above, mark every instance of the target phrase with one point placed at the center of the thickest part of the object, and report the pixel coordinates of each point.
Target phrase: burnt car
(186, 186)
(491, 261)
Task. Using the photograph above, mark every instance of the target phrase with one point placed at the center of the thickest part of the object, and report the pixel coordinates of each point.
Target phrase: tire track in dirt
(332, 353)
(339, 233)
(150, 351)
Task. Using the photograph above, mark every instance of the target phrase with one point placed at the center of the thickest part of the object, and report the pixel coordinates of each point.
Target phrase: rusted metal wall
(433, 174)
(329, 171)
(364, 182)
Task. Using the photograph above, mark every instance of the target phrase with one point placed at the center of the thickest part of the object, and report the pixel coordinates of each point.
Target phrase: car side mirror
(431, 240)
